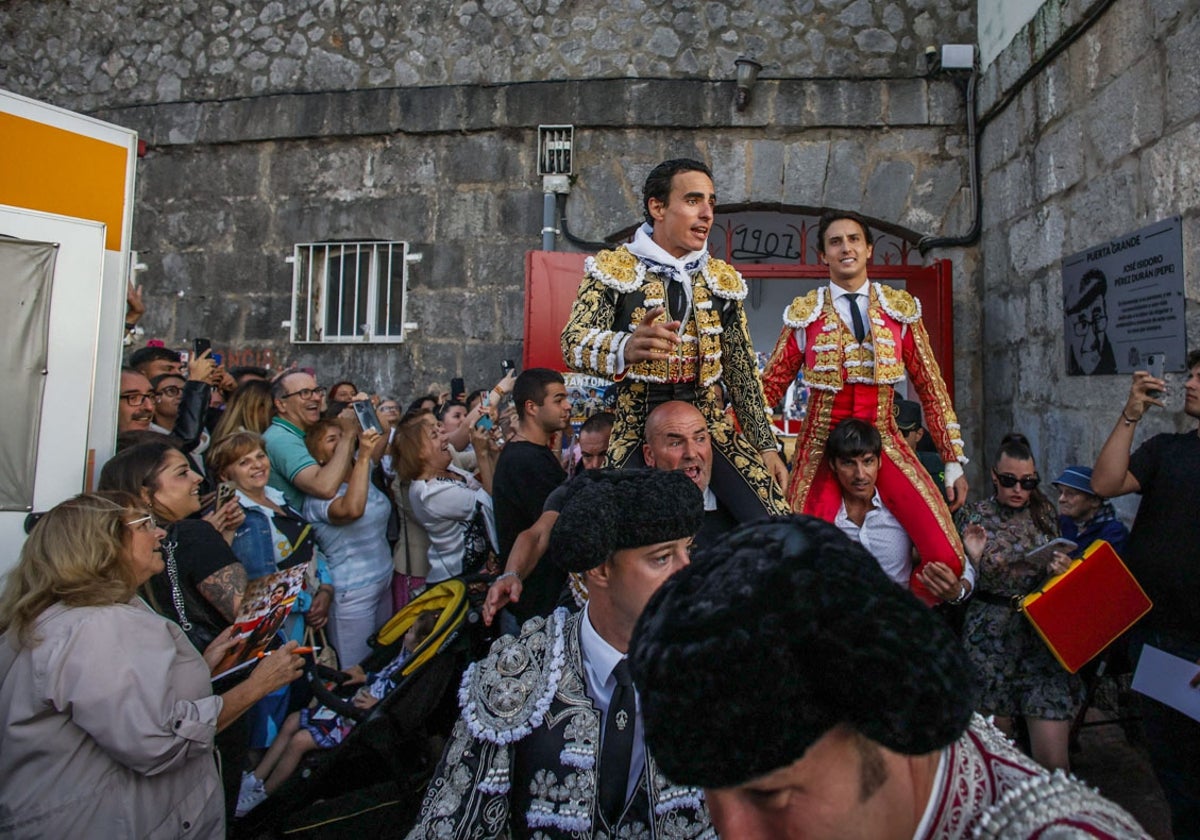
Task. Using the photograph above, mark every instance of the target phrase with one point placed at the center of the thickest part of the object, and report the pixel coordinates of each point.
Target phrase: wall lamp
(747, 75)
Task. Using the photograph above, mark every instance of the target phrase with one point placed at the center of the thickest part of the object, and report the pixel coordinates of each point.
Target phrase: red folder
(1082, 611)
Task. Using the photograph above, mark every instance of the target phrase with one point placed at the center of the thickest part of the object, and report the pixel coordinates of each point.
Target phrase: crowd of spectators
(456, 485)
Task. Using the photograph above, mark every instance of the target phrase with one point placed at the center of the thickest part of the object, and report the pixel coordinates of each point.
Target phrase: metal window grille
(349, 292)
(554, 149)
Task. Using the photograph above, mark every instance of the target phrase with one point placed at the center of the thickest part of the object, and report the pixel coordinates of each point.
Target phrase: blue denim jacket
(255, 545)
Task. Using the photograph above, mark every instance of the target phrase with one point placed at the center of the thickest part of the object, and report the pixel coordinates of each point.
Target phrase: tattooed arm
(224, 589)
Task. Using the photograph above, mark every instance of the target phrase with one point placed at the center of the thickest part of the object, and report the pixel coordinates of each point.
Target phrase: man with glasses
(135, 407)
(294, 471)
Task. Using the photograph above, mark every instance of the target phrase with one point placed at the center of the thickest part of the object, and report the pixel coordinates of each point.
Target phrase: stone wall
(321, 120)
(1105, 140)
(90, 54)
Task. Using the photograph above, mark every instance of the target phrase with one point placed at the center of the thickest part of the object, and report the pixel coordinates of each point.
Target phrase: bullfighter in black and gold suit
(665, 320)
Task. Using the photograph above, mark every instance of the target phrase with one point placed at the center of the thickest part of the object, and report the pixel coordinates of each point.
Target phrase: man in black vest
(549, 742)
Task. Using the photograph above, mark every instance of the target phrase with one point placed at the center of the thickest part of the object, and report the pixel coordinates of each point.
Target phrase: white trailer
(66, 208)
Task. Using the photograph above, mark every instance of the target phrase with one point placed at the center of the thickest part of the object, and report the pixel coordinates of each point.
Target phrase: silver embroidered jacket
(994, 792)
(523, 756)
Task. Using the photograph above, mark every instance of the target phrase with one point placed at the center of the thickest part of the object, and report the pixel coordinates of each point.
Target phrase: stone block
(670, 103)
(263, 314)
(1183, 73)
(791, 104)
(765, 161)
(428, 110)
(1008, 191)
(728, 164)
(846, 102)
(844, 177)
(1058, 159)
(1105, 206)
(936, 183)
(887, 190)
(1170, 173)
(490, 266)
(1003, 140)
(441, 267)
(906, 102)
(519, 216)
(401, 163)
(492, 158)
(804, 171)
(1128, 113)
(1037, 241)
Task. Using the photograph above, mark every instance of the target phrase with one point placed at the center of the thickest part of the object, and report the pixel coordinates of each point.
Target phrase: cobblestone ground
(1116, 762)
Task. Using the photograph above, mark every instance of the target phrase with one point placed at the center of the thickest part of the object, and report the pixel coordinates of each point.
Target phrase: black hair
(156, 381)
(1193, 359)
(145, 355)
(415, 405)
(440, 411)
(1016, 446)
(601, 421)
(1096, 290)
(837, 215)
(851, 438)
(249, 370)
(531, 385)
(658, 182)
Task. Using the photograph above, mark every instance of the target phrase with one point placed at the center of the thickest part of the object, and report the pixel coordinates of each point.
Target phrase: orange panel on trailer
(57, 171)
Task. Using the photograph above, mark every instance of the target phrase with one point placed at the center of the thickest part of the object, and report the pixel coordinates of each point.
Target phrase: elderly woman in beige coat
(107, 715)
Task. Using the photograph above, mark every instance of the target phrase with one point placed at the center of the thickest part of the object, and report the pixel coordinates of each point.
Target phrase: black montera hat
(611, 510)
(908, 415)
(774, 635)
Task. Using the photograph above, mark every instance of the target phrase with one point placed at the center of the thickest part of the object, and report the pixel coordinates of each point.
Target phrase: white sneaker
(250, 796)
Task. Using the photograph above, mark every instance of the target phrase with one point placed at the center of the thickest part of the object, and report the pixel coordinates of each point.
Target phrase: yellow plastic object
(450, 597)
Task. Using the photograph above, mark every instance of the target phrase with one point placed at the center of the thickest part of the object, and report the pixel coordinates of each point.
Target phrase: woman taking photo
(1014, 670)
(108, 711)
(351, 529)
(453, 507)
(202, 584)
(273, 535)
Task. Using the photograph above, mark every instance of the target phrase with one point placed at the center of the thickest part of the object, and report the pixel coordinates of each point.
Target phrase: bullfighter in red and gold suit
(854, 340)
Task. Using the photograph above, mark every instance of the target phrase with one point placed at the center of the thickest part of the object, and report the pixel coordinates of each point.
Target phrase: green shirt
(285, 447)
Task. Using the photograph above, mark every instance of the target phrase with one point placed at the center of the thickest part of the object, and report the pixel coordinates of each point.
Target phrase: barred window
(349, 291)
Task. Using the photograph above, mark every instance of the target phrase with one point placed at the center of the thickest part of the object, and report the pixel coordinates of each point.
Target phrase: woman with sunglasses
(1015, 672)
(107, 711)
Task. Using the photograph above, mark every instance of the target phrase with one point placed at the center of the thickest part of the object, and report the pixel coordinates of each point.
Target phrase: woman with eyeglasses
(107, 709)
(201, 583)
(1015, 672)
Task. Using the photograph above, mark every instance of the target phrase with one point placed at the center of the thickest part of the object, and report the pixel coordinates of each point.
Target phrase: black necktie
(860, 329)
(617, 749)
(676, 300)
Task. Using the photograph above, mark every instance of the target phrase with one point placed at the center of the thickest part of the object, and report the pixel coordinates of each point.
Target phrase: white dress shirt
(599, 660)
(882, 536)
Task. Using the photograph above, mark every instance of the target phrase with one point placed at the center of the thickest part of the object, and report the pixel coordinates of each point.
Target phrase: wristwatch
(964, 592)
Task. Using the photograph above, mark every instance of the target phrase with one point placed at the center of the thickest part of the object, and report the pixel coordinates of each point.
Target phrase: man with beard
(135, 404)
